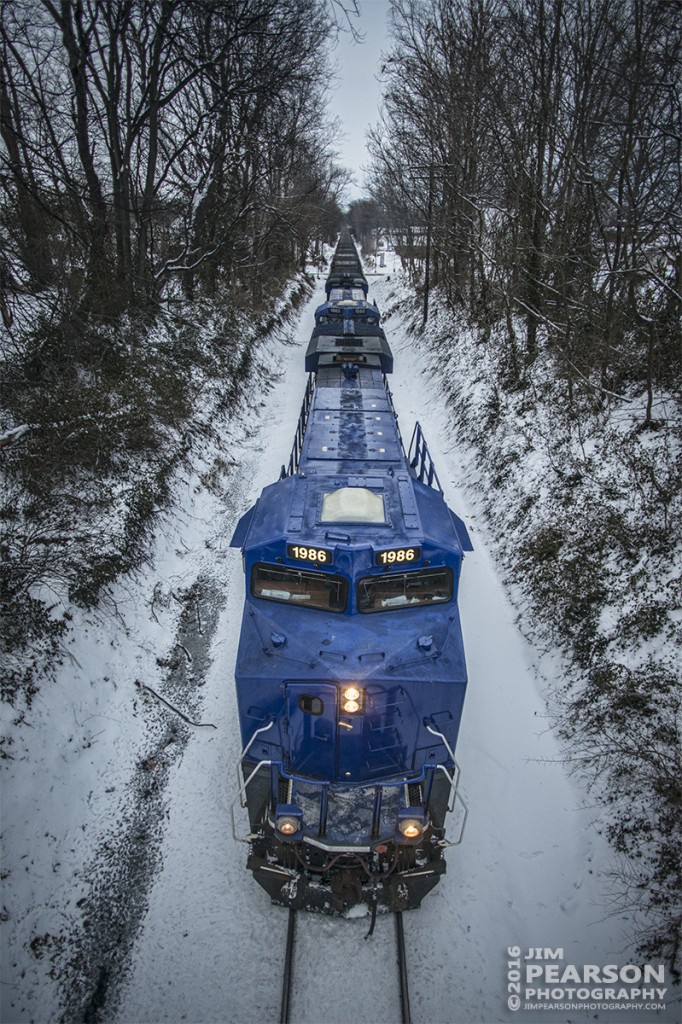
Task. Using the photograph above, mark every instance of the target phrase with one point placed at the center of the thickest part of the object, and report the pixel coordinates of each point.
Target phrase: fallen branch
(14, 434)
(198, 725)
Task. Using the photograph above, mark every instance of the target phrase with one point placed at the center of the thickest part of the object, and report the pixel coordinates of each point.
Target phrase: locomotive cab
(341, 310)
(349, 743)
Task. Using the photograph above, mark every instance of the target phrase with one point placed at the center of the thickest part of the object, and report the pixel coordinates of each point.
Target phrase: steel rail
(288, 969)
(402, 969)
(287, 980)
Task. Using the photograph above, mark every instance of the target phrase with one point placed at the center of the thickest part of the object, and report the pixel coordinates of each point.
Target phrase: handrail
(441, 737)
(389, 395)
(456, 797)
(262, 728)
(240, 797)
(295, 457)
(420, 460)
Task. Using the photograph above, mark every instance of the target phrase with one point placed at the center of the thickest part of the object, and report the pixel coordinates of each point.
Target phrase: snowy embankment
(127, 897)
(583, 512)
(87, 764)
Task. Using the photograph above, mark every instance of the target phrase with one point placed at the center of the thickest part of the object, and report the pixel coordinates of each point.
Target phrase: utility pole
(427, 263)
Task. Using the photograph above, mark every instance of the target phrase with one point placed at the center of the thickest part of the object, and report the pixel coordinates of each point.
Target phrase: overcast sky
(357, 96)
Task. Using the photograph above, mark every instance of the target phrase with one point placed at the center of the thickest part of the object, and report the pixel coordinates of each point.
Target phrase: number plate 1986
(397, 556)
(304, 553)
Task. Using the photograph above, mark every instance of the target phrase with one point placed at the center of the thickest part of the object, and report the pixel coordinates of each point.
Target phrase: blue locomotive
(350, 671)
(343, 307)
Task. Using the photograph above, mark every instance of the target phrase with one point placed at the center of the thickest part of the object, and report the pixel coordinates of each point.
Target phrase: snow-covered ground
(126, 896)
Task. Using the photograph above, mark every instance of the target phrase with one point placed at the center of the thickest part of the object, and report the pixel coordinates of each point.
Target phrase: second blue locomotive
(350, 670)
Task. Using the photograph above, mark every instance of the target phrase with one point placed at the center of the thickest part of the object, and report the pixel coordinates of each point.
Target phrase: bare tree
(537, 143)
(152, 132)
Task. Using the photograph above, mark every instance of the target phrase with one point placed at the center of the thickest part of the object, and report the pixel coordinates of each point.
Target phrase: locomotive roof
(347, 303)
(294, 508)
(366, 345)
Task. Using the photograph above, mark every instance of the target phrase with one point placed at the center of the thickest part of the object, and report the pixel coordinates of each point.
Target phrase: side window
(310, 705)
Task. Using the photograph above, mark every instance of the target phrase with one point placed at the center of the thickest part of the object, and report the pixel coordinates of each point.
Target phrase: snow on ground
(182, 932)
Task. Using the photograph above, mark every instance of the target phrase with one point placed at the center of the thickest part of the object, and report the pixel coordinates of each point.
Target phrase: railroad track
(287, 981)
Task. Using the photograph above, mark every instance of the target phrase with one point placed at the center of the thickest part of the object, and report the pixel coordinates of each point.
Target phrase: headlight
(353, 700)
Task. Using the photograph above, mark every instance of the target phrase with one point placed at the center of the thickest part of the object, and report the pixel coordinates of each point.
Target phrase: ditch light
(411, 825)
(289, 822)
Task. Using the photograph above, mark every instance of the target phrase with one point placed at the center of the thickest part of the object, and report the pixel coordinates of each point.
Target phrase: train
(350, 671)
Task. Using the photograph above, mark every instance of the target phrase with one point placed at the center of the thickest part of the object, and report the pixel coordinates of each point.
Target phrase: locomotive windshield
(404, 590)
(295, 586)
(346, 293)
